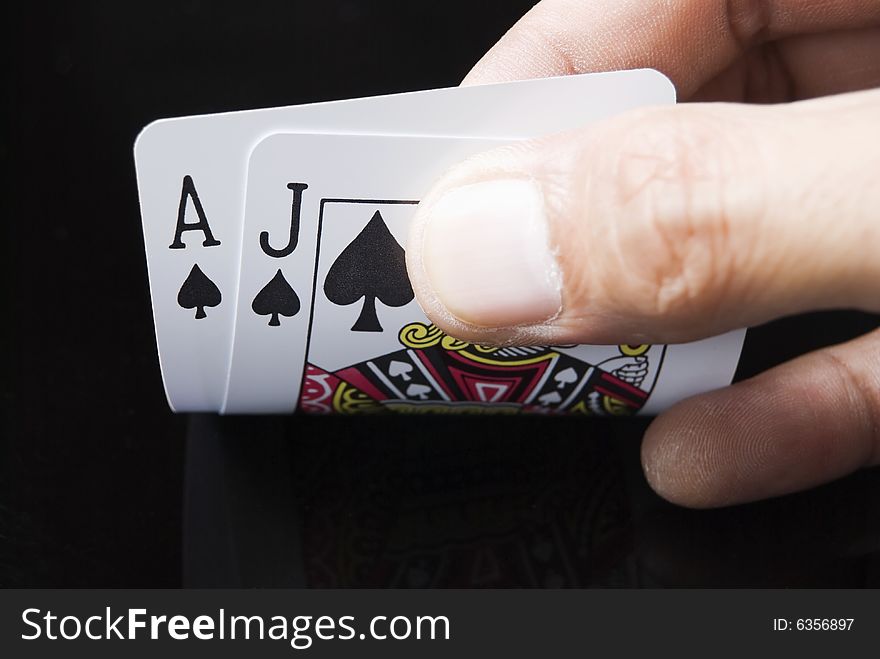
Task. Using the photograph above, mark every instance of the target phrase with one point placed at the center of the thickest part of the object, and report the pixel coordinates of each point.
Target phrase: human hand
(676, 223)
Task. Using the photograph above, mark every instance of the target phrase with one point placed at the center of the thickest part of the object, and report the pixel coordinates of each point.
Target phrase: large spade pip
(372, 267)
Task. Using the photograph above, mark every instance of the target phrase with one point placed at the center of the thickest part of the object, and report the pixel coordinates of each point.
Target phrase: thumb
(661, 225)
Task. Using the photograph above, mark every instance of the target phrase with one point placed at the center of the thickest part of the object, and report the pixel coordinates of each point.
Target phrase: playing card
(191, 174)
(332, 324)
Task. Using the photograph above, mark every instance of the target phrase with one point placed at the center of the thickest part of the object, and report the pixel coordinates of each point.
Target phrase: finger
(799, 67)
(832, 63)
(662, 225)
(801, 424)
(691, 41)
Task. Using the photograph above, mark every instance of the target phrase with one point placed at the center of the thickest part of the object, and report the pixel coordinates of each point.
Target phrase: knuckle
(672, 211)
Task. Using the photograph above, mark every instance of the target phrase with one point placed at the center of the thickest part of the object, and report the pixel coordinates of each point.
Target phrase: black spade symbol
(372, 267)
(276, 298)
(198, 292)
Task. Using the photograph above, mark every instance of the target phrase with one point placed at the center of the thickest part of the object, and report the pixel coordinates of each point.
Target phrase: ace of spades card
(326, 222)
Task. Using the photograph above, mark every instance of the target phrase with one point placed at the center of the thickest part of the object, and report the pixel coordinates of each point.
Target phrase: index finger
(691, 41)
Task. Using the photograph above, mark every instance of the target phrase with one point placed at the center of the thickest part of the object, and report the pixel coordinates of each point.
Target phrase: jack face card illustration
(191, 174)
(344, 204)
(390, 357)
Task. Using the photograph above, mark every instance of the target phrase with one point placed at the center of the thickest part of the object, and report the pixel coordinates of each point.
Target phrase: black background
(93, 463)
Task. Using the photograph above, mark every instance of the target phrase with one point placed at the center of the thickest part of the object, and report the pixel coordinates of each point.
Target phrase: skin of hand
(759, 198)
